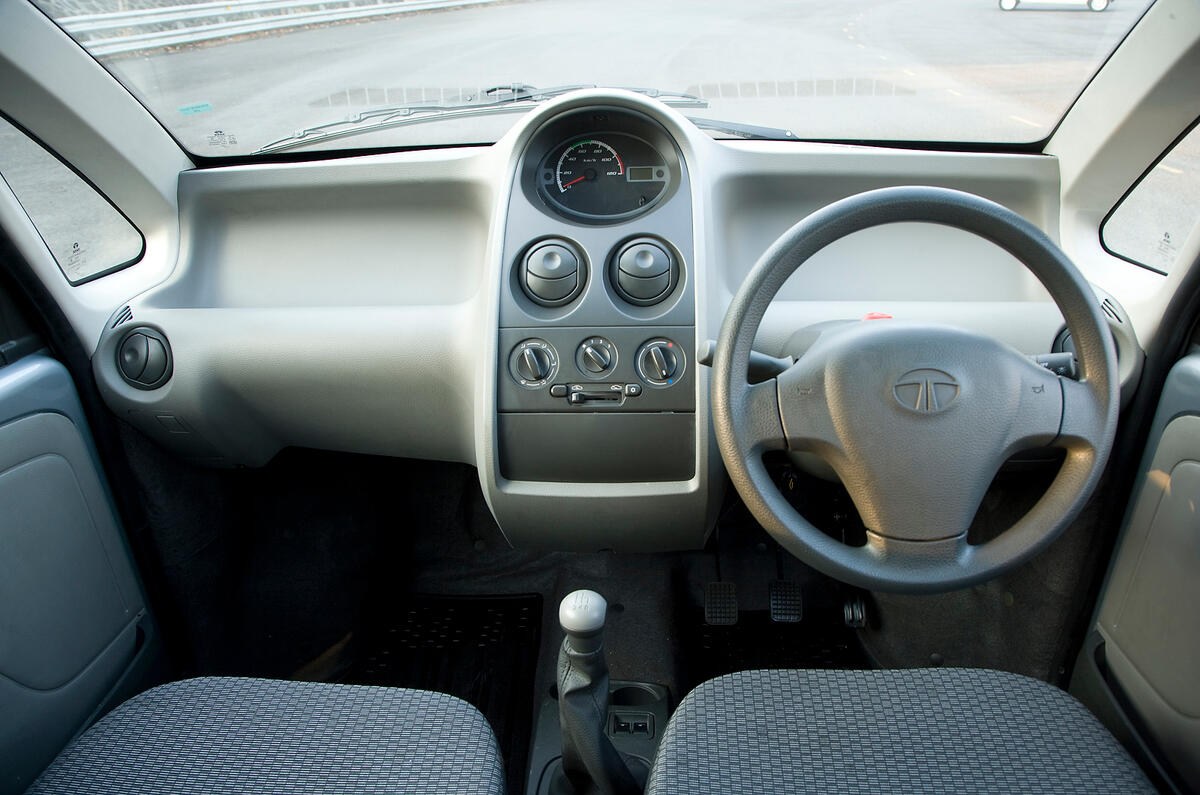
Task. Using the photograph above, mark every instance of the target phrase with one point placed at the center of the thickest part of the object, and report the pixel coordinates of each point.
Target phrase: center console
(596, 371)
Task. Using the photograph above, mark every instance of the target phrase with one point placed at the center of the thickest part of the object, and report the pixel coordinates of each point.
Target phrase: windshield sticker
(1167, 249)
(222, 139)
(199, 107)
(76, 264)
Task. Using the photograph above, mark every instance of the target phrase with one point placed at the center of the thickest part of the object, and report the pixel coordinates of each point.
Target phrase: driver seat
(919, 730)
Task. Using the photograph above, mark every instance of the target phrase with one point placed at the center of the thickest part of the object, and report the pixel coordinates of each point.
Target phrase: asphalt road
(923, 69)
(871, 69)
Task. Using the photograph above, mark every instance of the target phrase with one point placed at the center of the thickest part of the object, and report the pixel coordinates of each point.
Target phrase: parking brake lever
(762, 367)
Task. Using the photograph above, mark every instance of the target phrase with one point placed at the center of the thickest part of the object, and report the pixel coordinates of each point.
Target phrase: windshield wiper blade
(511, 98)
(745, 131)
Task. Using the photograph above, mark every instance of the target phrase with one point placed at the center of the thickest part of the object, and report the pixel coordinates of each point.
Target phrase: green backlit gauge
(605, 177)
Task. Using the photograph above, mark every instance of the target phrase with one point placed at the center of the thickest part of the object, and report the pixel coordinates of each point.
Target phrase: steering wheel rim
(998, 397)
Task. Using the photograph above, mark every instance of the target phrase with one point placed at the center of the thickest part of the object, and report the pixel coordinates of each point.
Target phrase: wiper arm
(511, 98)
(523, 91)
(746, 131)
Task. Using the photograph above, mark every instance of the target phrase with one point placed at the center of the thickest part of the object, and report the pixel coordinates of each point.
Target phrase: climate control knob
(660, 362)
(596, 357)
(533, 363)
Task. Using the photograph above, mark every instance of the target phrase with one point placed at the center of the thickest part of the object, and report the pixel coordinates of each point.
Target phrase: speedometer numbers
(604, 178)
(587, 161)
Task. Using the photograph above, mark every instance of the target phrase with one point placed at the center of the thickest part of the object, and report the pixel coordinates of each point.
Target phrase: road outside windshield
(231, 78)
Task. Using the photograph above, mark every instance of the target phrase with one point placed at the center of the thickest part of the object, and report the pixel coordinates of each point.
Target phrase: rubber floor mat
(480, 649)
(758, 642)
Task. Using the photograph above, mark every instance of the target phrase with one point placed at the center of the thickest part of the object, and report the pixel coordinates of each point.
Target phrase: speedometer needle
(572, 182)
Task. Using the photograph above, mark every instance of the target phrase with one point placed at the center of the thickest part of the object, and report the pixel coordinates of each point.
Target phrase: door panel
(75, 632)
(1148, 617)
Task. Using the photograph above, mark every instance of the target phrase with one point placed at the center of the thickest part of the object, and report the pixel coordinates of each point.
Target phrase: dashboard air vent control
(596, 357)
(144, 358)
(533, 363)
(644, 272)
(659, 362)
(552, 273)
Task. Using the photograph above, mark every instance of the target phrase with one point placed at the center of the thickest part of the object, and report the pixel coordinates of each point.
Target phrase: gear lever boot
(589, 760)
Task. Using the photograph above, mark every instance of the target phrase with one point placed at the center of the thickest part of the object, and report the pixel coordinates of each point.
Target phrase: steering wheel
(916, 419)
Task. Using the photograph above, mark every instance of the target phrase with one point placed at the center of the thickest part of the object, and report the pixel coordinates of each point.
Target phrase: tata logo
(926, 391)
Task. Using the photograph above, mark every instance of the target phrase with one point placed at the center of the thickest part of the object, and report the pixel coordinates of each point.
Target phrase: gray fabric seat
(225, 735)
(933, 730)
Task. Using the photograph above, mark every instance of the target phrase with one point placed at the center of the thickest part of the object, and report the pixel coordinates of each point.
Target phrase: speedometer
(587, 161)
(607, 177)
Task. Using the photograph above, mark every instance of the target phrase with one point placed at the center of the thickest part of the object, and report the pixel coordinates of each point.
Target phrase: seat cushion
(226, 735)
(933, 730)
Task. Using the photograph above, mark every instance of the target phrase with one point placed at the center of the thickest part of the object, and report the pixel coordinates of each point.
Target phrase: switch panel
(631, 368)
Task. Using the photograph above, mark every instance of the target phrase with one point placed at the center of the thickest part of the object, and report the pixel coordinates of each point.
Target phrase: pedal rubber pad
(787, 601)
(720, 604)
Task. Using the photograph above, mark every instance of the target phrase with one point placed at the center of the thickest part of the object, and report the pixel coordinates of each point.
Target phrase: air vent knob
(644, 272)
(552, 273)
(144, 358)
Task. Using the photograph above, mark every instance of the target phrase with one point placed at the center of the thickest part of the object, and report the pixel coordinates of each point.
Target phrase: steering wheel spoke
(1083, 417)
(804, 408)
(938, 552)
(760, 422)
(918, 491)
(1038, 406)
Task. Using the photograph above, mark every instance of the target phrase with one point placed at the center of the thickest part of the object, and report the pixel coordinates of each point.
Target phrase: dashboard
(535, 307)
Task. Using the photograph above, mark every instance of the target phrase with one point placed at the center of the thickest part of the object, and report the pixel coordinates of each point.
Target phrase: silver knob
(582, 613)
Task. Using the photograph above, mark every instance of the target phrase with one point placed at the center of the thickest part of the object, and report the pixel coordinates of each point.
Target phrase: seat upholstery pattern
(248, 736)
(927, 730)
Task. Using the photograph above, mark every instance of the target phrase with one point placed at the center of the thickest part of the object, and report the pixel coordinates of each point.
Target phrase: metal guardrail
(189, 24)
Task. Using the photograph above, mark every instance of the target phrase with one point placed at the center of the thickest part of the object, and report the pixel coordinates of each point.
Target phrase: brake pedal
(720, 604)
(787, 601)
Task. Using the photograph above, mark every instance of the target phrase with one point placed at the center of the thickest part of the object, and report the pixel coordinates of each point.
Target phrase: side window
(1149, 225)
(87, 236)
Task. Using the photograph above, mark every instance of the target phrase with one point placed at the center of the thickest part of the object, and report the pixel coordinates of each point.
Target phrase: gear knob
(581, 616)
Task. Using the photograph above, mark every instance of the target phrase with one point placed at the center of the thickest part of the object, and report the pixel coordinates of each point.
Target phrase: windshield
(244, 76)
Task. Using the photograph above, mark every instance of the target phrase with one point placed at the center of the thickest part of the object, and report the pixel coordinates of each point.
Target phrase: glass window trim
(83, 178)
(1136, 184)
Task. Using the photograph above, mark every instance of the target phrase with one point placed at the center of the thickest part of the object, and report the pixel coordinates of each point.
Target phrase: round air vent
(644, 272)
(552, 273)
(144, 358)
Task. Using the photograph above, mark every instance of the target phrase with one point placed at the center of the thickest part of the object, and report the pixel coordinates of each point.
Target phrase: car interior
(623, 450)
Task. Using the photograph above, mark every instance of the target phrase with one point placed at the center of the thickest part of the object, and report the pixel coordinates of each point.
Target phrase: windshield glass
(245, 76)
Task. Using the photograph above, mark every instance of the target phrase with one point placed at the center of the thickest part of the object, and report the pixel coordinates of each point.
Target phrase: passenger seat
(250, 736)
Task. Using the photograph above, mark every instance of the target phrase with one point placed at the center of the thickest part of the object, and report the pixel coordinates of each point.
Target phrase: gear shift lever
(591, 763)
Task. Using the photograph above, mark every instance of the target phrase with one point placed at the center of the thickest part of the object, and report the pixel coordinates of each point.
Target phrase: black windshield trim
(206, 162)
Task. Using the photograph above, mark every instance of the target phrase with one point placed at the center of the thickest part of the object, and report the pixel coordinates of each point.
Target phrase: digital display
(641, 173)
